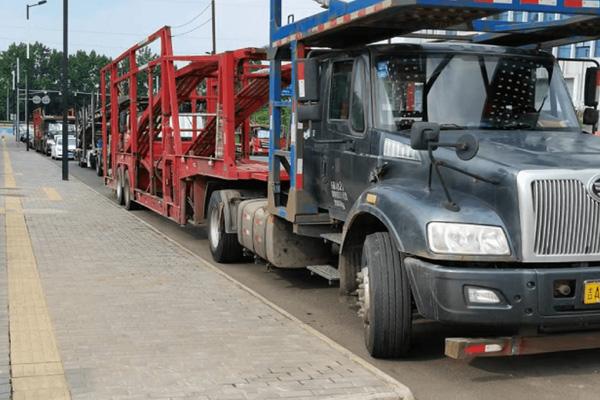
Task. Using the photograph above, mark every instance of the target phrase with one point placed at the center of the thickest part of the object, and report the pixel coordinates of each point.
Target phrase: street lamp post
(16, 87)
(65, 92)
(28, 72)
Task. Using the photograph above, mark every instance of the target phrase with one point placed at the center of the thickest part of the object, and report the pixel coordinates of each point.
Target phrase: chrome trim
(580, 221)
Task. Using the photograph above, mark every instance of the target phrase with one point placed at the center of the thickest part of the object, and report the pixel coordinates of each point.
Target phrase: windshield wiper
(517, 125)
(452, 127)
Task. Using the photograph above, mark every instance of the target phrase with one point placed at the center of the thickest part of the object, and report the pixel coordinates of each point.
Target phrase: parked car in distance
(57, 150)
(259, 142)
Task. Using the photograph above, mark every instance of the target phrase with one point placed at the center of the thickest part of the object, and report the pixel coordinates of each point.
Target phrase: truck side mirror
(422, 133)
(591, 116)
(591, 87)
(308, 89)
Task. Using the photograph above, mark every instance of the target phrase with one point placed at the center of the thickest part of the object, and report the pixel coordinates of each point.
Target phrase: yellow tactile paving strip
(36, 367)
(52, 194)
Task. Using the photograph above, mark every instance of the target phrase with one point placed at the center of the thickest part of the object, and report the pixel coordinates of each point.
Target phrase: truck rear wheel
(224, 246)
(119, 189)
(385, 298)
(127, 201)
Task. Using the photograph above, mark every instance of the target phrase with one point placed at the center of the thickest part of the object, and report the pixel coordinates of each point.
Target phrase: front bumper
(527, 293)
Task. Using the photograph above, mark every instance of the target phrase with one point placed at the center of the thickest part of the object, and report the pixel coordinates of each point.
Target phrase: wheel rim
(215, 225)
(119, 188)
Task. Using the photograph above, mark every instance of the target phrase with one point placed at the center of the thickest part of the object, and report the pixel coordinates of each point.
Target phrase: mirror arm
(449, 204)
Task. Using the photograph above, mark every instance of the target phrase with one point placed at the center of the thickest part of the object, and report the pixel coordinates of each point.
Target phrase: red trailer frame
(173, 160)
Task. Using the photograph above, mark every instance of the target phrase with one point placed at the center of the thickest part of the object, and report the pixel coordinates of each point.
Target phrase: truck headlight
(454, 238)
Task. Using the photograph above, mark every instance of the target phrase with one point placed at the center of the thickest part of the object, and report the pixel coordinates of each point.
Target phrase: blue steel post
(293, 126)
(275, 110)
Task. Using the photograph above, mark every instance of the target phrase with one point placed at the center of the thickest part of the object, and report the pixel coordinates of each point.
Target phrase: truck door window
(358, 97)
(339, 97)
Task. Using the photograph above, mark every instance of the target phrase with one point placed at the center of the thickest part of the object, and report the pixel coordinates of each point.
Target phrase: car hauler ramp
(350, 23)
(179, 125)
(540, 34)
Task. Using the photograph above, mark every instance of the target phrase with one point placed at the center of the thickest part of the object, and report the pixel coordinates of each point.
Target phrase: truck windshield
(464, 91)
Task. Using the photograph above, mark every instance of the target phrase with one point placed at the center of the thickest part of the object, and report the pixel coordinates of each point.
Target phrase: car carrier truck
(88, 135)
(45, 127)
(449, 181)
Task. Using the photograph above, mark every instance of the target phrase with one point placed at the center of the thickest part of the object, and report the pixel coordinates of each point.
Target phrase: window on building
(518, 16)
(549, 17)
(582, 51)
(564, 52)
(532, 17)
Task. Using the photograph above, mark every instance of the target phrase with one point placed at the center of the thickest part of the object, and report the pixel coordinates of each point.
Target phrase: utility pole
(65, 92)
(17, 119)
(7, 103)
(214, 28)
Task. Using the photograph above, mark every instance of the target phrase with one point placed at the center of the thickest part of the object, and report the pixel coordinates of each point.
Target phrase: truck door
(351, 158)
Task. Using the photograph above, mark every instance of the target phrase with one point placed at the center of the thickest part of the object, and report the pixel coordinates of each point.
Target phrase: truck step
(333, 237)
(326, 271)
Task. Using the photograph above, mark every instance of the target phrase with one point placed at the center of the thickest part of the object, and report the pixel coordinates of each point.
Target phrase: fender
(229, 198)
(405, 208)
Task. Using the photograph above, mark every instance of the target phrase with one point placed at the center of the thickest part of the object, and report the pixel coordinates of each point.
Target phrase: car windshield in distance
(56, 127)
(473, 91)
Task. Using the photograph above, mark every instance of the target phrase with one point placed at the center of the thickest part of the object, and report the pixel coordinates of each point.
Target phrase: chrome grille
(567, 218)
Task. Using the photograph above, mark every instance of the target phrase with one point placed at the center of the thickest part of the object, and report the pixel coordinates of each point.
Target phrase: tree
(45, 67)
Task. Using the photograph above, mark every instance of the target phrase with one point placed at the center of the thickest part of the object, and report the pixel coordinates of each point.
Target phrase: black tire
(224, 247)
(349, 266)
(128, 203)
(388, 316)
(119, 188)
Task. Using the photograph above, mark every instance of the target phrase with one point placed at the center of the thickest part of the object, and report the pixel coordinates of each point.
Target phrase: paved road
(572, 375)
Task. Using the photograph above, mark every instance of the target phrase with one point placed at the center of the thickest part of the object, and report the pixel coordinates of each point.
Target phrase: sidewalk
(135, 316)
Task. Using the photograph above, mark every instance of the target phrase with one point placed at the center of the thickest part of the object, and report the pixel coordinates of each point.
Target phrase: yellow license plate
(591, 292)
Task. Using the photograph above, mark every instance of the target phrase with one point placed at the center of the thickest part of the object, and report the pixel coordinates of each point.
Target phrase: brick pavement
(137, 317)
(5, 388)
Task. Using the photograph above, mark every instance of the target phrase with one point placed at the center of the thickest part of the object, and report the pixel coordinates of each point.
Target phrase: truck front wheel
(224, 246)
(384, 298)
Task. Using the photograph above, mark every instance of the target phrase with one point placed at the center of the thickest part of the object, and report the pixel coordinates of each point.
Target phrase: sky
(112, 26)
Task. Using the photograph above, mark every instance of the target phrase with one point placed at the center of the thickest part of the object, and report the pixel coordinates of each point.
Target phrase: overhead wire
(194, 29)
(195, 18)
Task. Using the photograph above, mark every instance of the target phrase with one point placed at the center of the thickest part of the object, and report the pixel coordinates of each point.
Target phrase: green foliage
(46, 67)
(262, 118)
